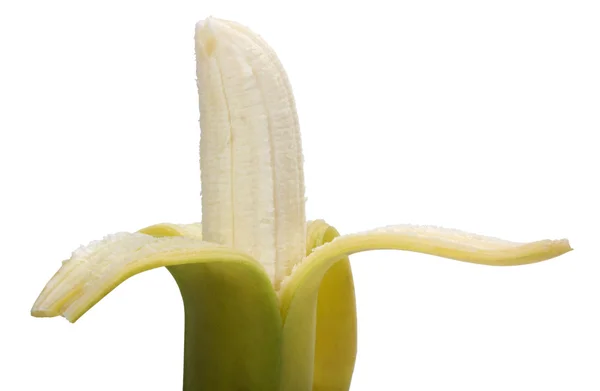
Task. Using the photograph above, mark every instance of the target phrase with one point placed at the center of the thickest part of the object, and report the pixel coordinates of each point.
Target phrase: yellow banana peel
(269, 298)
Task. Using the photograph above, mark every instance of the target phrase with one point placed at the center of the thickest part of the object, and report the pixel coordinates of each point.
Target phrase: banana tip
(564, 243)
(205, 36)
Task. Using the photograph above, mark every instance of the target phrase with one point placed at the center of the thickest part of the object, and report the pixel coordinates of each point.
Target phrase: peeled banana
(268, 297)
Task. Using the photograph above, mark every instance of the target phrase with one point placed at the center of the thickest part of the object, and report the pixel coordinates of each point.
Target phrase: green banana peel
(232, 327)
(232, 322)
(269, 298)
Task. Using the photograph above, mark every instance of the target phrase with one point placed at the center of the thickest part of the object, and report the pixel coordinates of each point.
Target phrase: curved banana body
(269, 299)
(250, 150)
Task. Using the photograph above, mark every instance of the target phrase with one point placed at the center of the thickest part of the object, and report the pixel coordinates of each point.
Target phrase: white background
(479, 115)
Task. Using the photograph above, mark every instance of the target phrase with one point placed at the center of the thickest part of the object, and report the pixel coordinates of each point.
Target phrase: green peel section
(232, 328)
(232, 323)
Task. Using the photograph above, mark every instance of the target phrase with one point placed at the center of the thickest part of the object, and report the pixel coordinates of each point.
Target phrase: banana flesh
(250, 150)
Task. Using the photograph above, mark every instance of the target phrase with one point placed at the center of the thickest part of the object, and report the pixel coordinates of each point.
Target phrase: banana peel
(239, 332)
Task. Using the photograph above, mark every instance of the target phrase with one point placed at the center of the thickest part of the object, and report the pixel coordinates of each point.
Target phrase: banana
(269, 298)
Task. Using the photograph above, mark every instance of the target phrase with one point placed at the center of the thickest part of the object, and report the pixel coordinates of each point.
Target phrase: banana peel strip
(95, 270)
(299, 292)
(232, 321)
